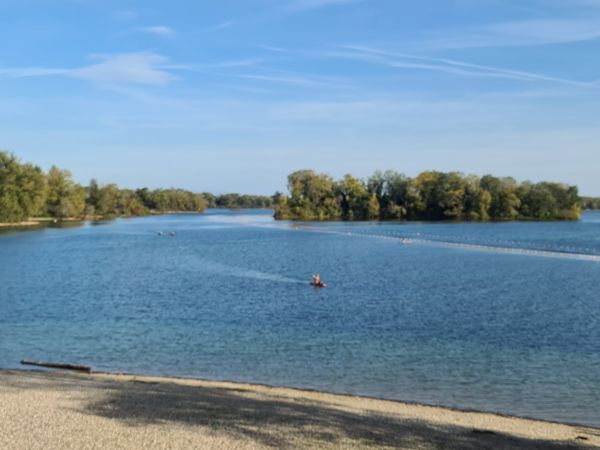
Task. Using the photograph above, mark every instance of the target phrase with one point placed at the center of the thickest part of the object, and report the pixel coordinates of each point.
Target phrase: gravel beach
(58, 410)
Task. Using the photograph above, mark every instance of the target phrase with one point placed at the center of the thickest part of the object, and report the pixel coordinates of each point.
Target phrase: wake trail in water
(240, 272)
(437, 241)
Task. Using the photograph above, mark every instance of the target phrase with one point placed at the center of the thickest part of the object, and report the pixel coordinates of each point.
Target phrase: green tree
(22, 189)
(211, 199)
(92, 198)
(477, 201)
(129, 204)
(548, 201)
(355, 200)
(390, 190)
(505, 203)
(145, 196)
(108, 201)
(65, 198)
(281, 207)
(312, 196)
(450, 194)
(176, 200)
(424, 197)
(590, 203)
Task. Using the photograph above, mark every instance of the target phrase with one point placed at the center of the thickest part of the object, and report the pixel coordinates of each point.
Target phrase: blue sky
(232, 95)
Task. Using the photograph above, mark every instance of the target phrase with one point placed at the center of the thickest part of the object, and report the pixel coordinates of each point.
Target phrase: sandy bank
(62, 410)
(29, 223)
(39, 221)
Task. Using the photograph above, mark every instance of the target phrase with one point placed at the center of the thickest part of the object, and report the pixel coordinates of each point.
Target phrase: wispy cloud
(139, 68)
(522, 33)
(272, 48)
(25, 72)
(159, 30)
(273, 75)
(128, 68)
(295, 80)
(206, 67)
(408, 61)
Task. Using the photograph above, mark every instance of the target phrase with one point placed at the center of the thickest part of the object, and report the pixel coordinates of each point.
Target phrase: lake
(499, 317)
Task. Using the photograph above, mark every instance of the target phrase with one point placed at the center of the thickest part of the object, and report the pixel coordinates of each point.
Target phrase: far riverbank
(40, 221)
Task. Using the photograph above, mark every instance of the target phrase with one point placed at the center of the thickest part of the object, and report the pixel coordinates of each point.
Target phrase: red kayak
(318, 285)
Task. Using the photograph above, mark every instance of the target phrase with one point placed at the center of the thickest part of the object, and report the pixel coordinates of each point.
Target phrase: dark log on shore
(57, 366)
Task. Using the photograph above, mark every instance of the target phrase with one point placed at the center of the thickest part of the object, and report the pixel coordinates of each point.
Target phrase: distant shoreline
(177, 412)
(39, 221)
(29, 223)
(36, 222)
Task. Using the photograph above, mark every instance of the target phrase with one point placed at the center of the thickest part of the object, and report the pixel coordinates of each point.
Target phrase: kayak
(320, 285)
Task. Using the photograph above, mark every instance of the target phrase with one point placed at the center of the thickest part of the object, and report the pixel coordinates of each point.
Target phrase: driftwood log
(57, 365)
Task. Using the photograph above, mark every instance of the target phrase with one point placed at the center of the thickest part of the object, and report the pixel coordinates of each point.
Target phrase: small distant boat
(172, 234)
(318, 285)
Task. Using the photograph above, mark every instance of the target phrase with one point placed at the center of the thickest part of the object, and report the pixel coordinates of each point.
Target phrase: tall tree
(505, 203)
(22, 189)
(312, 196)
(390, 191)
(65, 198)
(108, 201)
(477, 201)
(356, 201)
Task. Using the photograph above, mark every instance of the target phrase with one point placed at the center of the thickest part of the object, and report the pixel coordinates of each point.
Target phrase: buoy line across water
(447, 244)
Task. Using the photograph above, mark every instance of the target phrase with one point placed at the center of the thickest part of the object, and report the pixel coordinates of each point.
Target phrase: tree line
(237, 201)
(592, 203)
(26, 191)
(430, 196)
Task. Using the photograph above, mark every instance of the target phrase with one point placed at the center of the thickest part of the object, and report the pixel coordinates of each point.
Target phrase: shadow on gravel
(277, 422)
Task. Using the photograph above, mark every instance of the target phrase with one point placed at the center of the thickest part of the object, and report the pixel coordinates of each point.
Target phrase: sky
(233, 95)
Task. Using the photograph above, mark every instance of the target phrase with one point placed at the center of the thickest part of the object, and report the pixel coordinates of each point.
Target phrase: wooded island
(430, 196)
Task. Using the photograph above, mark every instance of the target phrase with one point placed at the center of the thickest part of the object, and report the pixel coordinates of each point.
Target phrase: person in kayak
(316, 279)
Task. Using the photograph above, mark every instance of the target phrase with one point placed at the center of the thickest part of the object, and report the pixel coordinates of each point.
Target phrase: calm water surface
(228, 298)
